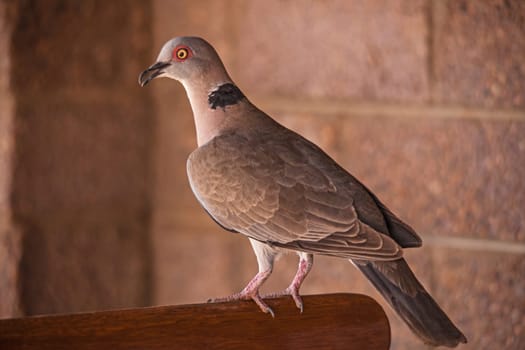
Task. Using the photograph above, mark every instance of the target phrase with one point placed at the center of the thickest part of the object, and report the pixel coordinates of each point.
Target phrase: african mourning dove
(255, 177)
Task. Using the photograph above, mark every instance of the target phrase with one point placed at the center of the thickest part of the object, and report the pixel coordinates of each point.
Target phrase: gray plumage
(256, 177)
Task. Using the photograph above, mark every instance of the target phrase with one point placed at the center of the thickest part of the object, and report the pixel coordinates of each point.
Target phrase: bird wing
(283, 191)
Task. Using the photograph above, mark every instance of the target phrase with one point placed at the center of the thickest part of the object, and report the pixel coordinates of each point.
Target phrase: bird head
(186, 59)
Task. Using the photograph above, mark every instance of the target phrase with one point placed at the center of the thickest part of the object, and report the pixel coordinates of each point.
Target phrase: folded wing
(271, 190)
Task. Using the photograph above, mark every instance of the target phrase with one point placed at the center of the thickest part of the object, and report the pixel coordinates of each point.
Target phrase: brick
(343, 49)
(82, 263)
(78, 45)
(479, 50)
(74, 155)
(484, 293)
(444, 177)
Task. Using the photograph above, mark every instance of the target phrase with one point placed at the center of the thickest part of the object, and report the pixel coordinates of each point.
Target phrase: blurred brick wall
(82, 144)
(424, 101)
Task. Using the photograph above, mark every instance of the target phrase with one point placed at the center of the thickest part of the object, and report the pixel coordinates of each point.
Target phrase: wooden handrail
(334, 321)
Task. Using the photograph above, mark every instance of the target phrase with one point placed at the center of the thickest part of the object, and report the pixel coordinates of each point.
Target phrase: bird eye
(181, 53)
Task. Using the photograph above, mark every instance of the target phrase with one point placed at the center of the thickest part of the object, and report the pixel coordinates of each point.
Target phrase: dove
(257, 178)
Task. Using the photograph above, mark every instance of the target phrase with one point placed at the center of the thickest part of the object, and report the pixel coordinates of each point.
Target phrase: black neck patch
(225, 95)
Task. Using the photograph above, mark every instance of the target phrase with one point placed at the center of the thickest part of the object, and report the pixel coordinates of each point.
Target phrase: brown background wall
(80, 175)
(422, 100)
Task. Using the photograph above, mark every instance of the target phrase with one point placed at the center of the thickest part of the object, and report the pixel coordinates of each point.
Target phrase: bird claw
(263, 306)
(298, 302)
(290, 291)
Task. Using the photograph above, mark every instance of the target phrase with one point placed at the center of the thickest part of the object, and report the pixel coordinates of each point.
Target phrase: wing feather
(285, 192)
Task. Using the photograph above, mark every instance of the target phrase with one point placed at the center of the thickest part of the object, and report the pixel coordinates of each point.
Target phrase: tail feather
(412, 303)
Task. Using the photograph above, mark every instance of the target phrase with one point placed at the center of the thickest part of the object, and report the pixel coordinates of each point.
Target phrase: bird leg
(251, 291)
(265, 258)
(305, 265)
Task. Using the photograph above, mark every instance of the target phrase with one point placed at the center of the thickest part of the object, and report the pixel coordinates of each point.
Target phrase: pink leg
(265, 258)
(305, 265)
(251, 291)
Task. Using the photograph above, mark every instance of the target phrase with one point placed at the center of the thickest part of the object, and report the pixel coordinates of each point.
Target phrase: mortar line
(474, 244)
(348, 108)
(429, 240)
(335, 107)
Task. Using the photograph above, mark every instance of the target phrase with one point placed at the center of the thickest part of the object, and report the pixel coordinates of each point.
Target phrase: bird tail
(400, 287)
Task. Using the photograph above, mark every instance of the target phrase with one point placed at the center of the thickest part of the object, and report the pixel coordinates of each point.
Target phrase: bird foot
(246, 295)
(251, 291)
(290, 291)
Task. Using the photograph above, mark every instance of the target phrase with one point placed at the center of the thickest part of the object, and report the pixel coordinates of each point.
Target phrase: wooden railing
(335, 321)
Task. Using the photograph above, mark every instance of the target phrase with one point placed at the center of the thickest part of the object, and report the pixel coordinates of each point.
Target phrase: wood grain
(334, 321)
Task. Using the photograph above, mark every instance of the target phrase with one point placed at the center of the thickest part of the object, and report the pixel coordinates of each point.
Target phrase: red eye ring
(181, 53)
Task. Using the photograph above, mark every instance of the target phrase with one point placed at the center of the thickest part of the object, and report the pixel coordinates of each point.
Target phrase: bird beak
(152, 72)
